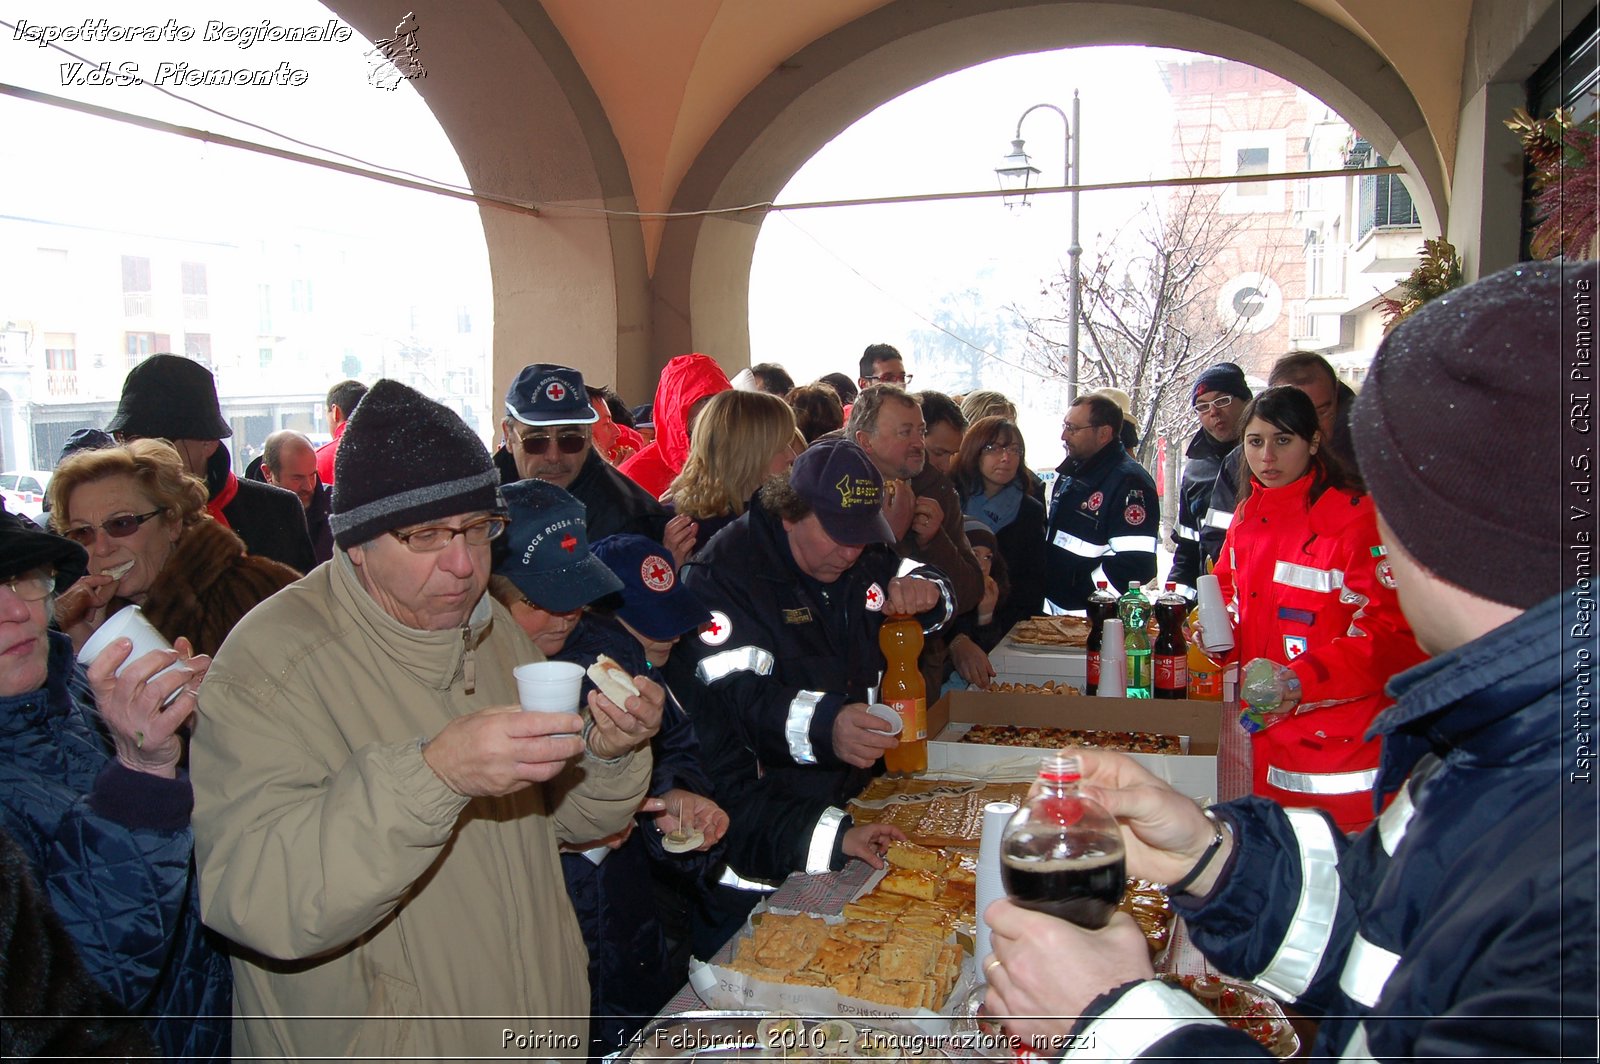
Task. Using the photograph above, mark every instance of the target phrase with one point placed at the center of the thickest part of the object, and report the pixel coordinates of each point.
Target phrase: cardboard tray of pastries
(1047, 631)
(933, 812)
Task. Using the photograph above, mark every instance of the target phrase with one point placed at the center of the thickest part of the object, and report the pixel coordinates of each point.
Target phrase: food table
(828, 894)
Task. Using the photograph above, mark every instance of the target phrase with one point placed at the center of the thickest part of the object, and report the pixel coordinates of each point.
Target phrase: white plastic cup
(990, 886)
(1213, 616)
(129, 623)
(1113, 661)
(549, 686)
(888, 716)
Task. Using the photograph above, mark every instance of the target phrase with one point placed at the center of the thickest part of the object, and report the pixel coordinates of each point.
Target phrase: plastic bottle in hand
(903, 690)
(1062, 853)
(1134, 610)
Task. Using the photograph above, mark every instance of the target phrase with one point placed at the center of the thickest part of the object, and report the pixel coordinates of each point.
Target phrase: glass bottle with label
(903, 690)
(1171, 651)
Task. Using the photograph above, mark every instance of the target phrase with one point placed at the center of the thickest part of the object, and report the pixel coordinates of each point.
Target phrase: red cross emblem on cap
(657, 573)
(555, 391)
(569, 543)
(875, 598)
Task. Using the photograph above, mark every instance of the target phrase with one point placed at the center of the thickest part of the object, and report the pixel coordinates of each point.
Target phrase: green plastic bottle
(1134, 610)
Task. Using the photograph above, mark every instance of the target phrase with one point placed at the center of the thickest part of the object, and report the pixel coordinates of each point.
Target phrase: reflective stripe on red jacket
(1313, 591)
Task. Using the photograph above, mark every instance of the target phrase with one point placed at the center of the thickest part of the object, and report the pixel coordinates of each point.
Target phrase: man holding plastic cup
(377, 819)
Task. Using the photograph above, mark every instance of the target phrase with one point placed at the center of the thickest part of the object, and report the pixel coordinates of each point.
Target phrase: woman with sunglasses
(153, 543)
(997, 489)
(1318, 619)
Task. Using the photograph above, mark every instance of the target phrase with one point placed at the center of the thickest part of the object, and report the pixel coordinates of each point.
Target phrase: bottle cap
(1060, 768)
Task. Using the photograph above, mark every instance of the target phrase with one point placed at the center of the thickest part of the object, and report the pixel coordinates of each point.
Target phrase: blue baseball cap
(547, 394)
(547, 549)
(845, 491)
(654, 600)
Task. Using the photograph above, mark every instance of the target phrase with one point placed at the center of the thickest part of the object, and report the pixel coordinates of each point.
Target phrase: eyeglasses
(1072, 430)
(430, 539)
(566, 442)
(1220, 403)
(32, 585)
(1002, 448)
(119, 527)
(902, 379)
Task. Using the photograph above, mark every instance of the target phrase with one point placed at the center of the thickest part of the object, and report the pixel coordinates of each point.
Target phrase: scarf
(997, 510)
(230, 488)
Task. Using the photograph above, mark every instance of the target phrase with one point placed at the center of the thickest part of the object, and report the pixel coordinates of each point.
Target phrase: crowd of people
(322, 824)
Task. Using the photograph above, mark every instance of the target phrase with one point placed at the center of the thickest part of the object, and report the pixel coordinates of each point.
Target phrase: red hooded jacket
(1313, 591)
(685, 381)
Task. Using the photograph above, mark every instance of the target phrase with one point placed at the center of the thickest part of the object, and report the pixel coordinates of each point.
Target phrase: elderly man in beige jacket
(376, 822)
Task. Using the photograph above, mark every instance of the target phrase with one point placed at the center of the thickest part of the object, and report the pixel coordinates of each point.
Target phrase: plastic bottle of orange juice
(903, 690)
(1205, 675)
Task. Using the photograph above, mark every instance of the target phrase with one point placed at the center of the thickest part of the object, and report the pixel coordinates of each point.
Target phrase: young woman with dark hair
(1314, 596)
(991, 474)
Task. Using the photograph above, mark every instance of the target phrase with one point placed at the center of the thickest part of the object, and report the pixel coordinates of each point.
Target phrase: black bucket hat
(24, 546)
(170, 397)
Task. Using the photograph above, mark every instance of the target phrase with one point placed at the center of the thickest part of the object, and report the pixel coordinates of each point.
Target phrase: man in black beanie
(373, 810)
(1219, 396)
(172, 398)
(1461, 923)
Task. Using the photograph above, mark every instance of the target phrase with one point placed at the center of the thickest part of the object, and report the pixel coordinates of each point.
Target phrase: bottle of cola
(1171, 651)
(1062, 853)
(1102, 605)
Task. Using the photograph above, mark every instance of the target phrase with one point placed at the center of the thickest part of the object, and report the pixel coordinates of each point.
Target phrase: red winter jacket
(685, 381)
(1313, 591)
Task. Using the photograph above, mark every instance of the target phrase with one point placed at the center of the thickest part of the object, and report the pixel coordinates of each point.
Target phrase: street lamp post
(1016, 171)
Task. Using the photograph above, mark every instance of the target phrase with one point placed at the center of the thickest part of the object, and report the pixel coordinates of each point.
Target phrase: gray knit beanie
(1462, 428)
(403, 460)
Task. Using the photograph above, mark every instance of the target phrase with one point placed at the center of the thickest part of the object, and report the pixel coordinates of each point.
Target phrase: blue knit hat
(1224, 377)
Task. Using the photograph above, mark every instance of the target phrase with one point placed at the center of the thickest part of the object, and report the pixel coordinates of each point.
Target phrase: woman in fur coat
(152, 543)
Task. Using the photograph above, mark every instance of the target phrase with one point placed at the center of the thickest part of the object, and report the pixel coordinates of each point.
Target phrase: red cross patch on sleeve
(717, 631)
(1134, 514)
(875, 598)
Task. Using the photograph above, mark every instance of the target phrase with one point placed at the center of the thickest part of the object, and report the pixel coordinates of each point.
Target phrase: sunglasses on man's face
(537, 443)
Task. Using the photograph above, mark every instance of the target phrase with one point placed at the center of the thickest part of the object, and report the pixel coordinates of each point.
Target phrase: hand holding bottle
(1165, 832)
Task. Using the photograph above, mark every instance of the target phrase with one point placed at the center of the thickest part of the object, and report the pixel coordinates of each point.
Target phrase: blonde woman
(740, 440)
(152, 543)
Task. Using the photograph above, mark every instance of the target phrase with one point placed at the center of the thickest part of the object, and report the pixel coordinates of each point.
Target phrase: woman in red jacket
(1314, 597)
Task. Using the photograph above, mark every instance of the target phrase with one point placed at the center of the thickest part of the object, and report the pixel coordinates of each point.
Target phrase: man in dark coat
(1219, 397)
(547, 435)
(289, 461)
(1103, 514)
(175, 399)
(798, 587)
(1462, 923)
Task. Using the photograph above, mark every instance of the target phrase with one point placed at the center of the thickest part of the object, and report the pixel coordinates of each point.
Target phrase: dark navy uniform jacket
(1103, 521)
(1190, 555)
(1460, 924)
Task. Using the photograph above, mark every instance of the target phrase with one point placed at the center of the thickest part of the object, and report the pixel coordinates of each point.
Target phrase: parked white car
(23, 490)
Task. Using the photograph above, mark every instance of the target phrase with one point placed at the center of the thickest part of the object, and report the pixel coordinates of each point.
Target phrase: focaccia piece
(917, 858)
(923, 885)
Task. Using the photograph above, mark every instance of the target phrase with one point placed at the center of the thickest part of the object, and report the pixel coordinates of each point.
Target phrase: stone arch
(701, 280)
(525, 124)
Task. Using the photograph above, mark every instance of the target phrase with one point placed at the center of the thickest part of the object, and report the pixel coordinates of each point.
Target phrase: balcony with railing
(1312, 331)
(196, 308)
(1325, 271)
(138, 304)
(61, 383)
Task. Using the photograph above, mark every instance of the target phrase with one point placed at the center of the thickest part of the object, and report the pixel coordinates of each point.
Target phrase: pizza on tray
(1059, 738)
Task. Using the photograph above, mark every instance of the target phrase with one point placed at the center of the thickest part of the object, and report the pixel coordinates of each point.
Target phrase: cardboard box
(1031, 663)
(1193, 773)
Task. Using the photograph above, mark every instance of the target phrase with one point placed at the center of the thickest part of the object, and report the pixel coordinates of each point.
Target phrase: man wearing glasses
(1103, 515)
(376, 820)
(1219, 397)
(547, 434)
(882, 364)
